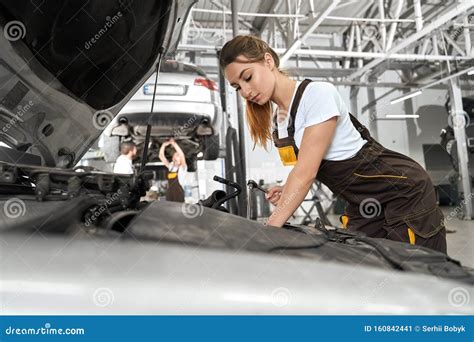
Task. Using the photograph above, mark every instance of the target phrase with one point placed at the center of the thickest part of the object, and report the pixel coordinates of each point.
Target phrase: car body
(175, 259)
(187, 108)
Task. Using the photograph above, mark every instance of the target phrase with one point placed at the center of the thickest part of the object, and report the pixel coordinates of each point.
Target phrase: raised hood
(68, 67)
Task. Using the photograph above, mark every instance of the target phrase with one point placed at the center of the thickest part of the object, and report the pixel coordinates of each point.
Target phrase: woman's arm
(178, 149)
(315, 142)
(162, 156)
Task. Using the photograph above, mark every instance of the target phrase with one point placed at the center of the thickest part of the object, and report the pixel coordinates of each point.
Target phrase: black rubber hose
(230, 168)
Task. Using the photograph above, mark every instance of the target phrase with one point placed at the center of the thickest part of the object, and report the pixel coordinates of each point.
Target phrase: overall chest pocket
(287, 155)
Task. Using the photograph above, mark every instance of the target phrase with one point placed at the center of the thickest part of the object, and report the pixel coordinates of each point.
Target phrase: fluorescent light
(402, 116)
(406, 96)
(468, 71)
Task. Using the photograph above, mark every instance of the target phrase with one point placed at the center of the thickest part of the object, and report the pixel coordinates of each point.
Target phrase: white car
(72, 236)
(187, 108)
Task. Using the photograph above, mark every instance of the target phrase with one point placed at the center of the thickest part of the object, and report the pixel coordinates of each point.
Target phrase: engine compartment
(98, 204)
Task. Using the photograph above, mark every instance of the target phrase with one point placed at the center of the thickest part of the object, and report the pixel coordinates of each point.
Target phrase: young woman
(389, 195)
(176, 171)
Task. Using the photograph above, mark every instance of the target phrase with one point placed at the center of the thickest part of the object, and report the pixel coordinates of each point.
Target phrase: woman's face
(176, 159)
(254, 81)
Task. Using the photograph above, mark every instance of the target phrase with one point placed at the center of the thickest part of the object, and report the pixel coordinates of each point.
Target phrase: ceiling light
(406, 96)
(402, 116)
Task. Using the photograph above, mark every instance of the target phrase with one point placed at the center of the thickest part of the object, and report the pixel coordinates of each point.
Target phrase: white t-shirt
(320, 102)
(182, 173)
(123, 165)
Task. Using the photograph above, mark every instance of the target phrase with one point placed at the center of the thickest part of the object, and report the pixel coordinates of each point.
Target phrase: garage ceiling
(355, 39)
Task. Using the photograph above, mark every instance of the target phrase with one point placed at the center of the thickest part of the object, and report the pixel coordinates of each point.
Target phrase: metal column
(240, 118)
(373, 109)
(458, 122)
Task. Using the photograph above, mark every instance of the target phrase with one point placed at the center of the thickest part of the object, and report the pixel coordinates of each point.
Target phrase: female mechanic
(389, 195)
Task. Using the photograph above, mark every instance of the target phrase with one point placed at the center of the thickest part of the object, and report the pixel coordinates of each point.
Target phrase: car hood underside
(68, 67)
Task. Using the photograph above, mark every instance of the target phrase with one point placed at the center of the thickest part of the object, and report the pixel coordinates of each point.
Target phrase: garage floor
(461, 240)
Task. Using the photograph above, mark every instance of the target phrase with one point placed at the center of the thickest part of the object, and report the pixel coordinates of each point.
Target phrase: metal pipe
(224, 8)
(418, 15)
(345, 54)
(418, 90)
(393, 27)
(467, 37)
(457, 112)
(311, 6)
(370, 20)
(296, 26)
(312, 26)
(434, 40)
(240, 117)
(251, 14)
(360, 62)
(453, 44)
(425, 46)
(435, 24)
(350, 46)
(382, 28)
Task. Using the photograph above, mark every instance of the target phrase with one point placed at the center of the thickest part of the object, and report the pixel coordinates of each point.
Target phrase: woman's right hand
(274, 193)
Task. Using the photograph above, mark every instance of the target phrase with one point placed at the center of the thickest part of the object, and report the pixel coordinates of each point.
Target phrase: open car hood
(68, 67)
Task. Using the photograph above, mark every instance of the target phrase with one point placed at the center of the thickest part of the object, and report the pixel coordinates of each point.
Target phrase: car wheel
(191, 163)
(210, 146)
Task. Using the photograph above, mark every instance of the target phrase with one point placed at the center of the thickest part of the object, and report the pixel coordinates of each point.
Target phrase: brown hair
(126, 147)
(259, 117)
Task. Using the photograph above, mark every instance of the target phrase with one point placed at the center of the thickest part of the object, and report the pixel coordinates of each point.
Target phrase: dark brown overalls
(175, 191)
(390, 195)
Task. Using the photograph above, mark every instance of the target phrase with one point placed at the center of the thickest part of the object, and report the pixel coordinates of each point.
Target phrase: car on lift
(77, 240)
(187, 108)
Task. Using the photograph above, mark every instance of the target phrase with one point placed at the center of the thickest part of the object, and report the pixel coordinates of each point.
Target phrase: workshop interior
(132, 181)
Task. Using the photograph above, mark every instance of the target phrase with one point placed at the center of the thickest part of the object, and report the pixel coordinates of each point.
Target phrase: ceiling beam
(312, 26)
(226, 9)
(343, 54)
(435, 24)
(260, 23)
